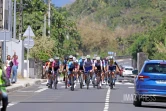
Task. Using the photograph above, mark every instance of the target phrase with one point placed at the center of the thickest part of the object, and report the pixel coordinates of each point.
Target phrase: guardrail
(123, 57)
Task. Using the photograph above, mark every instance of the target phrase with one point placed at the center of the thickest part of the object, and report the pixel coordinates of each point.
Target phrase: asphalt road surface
(40, 98)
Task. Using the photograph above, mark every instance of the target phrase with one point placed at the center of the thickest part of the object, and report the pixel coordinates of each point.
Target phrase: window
(155, 68)
(130, 69)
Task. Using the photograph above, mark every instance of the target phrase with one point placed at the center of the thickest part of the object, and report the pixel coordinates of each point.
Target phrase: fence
(123, 57)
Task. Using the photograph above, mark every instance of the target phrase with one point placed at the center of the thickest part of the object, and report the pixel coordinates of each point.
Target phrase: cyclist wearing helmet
(113, 66)
(88, 66)
(64, 65)
(70, 68)
(97, 67)
(50, 64)
(104, 64)
(80, 65)
(56, 66)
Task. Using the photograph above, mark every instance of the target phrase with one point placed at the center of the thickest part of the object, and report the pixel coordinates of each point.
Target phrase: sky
(61, 3)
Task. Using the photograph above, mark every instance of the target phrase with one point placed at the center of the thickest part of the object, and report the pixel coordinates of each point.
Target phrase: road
(40, 98)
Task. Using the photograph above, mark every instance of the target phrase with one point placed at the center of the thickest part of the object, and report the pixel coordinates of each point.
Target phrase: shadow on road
(152, 106)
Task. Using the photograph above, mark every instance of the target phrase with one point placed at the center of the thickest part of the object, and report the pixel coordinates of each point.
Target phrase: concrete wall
(19, 48)
(141, 58)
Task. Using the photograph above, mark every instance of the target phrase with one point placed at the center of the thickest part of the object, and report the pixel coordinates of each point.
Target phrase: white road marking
(130, 87)
(44, 83)
(25, 91)
(10, 104)
(40, 90)
(106, 107)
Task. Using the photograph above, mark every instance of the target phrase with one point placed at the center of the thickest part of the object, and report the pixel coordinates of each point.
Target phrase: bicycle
(98, 77)
(66, 80)
(88, 79)
(112, 84)
(106, 78)
(72, 82)
(81, 77)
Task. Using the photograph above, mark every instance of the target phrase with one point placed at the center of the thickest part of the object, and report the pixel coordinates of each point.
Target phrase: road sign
(110, 53)
(29, 32)
(28, 43)
(5, 35)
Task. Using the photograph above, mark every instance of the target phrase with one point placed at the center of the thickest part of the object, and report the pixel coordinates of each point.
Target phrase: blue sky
(61, 3)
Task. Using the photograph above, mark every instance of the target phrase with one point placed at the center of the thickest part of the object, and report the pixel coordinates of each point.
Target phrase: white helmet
(51, 60)
(97, 58)
(74, 59)
(111, 57)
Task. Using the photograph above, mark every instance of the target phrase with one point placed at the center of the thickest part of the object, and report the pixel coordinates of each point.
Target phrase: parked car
(127, 71)
(150, 83)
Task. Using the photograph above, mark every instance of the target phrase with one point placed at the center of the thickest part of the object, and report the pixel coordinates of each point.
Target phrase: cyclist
(50, 72)
(103, 68)
(97, 67)
(88, 66)
(80, 65)
(56, 67)
(70, 68)
(64, 65)
(46, 71)
(113, 67)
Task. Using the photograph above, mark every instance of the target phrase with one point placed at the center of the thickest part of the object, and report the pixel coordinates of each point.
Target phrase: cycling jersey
(64, 64)
(81, 63)
(112, 67)
(88, 65)
(50, 64)
(98, 64)
(56, 65)
(70, 65)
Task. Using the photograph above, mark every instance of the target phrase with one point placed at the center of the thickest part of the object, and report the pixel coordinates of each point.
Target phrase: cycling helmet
(97, 58)
(94, 58)
(88, 56)
(74, 59)
(70, 57)
(51, 60)
(83, 57)
(111, 58)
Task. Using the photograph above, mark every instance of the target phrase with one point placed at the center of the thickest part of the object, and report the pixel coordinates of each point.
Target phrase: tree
(43, 48)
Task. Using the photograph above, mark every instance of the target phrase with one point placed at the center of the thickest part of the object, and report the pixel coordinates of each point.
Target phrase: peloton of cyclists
(101, 68)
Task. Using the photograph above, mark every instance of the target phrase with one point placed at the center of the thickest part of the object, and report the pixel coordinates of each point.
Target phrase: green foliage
(153, 44)
(61, 26)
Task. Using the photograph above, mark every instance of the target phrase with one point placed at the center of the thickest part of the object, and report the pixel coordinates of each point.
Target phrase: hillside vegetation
(112, 25)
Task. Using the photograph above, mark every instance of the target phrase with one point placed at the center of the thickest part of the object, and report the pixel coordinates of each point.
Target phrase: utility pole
(44, 29)
(20, 19)
(49, 16)
(14, 25)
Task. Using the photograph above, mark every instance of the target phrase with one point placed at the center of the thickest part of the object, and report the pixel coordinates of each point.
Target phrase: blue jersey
(70, 64)
(81, 62)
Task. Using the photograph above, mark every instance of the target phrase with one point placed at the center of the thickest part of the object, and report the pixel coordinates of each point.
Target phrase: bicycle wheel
(111, 82)
(88, 80)
(81, 81)
(55, 82)
(66, 81)
(72, 83)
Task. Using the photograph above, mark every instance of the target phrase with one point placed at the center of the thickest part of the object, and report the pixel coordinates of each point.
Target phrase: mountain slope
(123, 17)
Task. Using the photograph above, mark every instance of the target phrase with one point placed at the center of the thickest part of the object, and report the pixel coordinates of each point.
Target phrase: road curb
(14, 88)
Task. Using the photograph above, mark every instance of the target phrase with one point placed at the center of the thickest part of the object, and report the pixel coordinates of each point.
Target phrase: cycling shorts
(70, 70)
(112, 68)
(81, 68)
(49, 70)
(88, 69)
(98, 67)
(64, 68)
